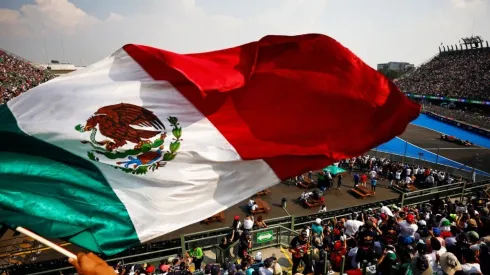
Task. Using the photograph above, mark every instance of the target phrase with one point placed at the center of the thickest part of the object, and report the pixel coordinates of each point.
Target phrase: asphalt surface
(334, 199)
(472, 156)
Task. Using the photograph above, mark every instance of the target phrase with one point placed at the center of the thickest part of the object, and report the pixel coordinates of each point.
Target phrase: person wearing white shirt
(398, 176)
(254, 207)
(408, 171)
(372, 174)
(251, 202)
(386, 210)
(323, 209)
(470, 266)
(248, 223)
(408, 228)
(352, 226)
(352, 254)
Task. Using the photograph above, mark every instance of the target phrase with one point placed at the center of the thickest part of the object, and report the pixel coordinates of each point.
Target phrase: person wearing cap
(462, 243)
(268, 268)
(436, 232)
(422, 231)
(215, 270)
(474, 240)
(299, 249)
(449, 263)
(317, 227)
(236, 227)
(387, 260)
(257, 263)
(339, 250)
(420, 266)
(386, 210)
(445, 225)
(408, 228)
(471, 225)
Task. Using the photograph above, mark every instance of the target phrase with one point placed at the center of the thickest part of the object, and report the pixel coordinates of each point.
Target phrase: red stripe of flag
(298, 102)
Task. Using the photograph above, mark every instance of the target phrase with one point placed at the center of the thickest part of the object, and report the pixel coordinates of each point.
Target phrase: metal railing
(283, 228)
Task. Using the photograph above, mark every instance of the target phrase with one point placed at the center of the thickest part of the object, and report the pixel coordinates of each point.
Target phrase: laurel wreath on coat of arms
(117, 123)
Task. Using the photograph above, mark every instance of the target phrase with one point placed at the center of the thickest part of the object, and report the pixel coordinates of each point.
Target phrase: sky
(85, 31)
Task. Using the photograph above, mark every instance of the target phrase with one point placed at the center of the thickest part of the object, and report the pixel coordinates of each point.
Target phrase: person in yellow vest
(197, 256)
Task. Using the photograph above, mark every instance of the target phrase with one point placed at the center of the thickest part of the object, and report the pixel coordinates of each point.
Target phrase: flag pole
(46, 242)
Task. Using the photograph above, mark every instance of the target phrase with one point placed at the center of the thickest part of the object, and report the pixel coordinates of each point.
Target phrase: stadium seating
(17, 76)
(459, 74)
(469, 116)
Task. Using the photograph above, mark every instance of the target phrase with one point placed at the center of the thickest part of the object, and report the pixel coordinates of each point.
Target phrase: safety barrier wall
(470, 127)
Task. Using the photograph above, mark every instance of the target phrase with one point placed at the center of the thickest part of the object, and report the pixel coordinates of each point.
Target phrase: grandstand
(457, 73)
(18, 75)
(455, 83)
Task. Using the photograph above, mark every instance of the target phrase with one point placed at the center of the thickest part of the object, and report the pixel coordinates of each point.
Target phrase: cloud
(9, 16)
(409, 30)
(114, 17)
(57, 16)
(467, 3)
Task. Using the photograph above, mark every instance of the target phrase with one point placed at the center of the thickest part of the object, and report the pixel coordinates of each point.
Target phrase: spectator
(196, 254)
(472, 116)
(459, 74)
(18, 75)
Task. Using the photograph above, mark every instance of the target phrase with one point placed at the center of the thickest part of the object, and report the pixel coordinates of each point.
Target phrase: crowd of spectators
(442, 237)
(397, 173)
(460, 74)
(473, 117)
(17, 76)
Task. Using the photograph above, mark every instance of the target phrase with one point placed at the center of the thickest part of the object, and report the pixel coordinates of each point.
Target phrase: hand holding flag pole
(46, 242)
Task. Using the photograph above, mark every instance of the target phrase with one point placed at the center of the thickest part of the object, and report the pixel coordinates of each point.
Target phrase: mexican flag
(148, 141)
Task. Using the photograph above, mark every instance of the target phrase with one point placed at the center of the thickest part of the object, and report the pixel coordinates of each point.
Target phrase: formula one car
(456, 140)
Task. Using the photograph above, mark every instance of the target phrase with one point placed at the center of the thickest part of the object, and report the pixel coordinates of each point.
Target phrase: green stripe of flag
(57, 194)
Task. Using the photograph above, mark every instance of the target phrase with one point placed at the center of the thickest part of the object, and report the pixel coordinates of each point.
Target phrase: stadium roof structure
(473, 41)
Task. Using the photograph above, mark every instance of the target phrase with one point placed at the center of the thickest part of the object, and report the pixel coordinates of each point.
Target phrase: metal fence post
(462, 191)
(182, 243)
(437, 155)
(342, 266)
(403, 199)
(325, 263)
(278, 235)
(405, 153)
(292, 229)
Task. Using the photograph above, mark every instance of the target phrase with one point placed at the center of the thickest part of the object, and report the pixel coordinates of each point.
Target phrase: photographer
(299, 249)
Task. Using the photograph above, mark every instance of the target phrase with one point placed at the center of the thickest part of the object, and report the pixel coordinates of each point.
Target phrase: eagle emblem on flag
(132, 138)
